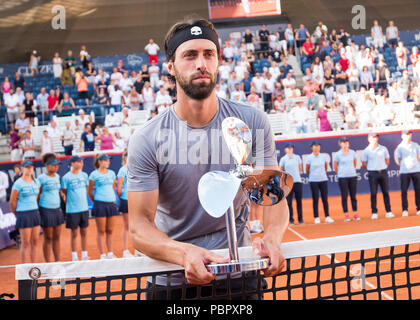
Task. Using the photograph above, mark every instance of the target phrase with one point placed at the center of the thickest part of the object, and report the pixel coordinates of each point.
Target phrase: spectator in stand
(353, 76)
(119, 142)
(249, 40)
(22, 124)
(88, 138)
(415, 59)
(221, 93)
(66, 76)
(401, 53)
(163, 100)
(366, 79)
(382, 75)
(15, 151)
(343, 36)
(47, 145)
(321, 32)
(116, 76)
(395, 93)
(328, 86)
(322, 117)
(238, 94)
(317, 68)
(106, 139)
(125, 99)
(340, 79)
(289, 84)
(285, 67)
(290, 38)
(66, 106)
(152, 50)
(34, 61)
(120, 67)
(268, 88)
(301, 35)
(148, 97)
(42, 102)
(71, 62)
(254, 99)
(405, 85)
(154, 75)
(82, 84)
(84, 56)
(4, 185)
(263, 39)
(28, 147)
(344, 62)
(125, 118)
(102, 97)
(6, 85)
(377, 35)
(91, 74)
(145, 73)
(11, 102)
(116, 98)
(52, 104)
(279, 104)
(125, 82)
(134, 100)
(57, 65)
(19, 81)
(138, 83)
(68, 138)
(308, 50)
(112, 120)
(82, 118)
(228, 51)
(333, 37)
(392, 35)
(300, 117)
(53, 130)
(351, 118)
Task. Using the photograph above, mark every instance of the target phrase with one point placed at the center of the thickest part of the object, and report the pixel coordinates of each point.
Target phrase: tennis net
(382, 265)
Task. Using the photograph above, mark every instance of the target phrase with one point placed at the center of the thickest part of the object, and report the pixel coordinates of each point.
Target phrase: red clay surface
(10, 256)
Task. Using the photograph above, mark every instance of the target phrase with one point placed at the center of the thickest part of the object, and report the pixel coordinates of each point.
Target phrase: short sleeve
(308, 160)
(64, 182)
(16, 186)
(299, 160)
(142, 164)
(85, 176)
(92, 175)
(398, 152)
(281, 164)
(386, 153)
(364, 156)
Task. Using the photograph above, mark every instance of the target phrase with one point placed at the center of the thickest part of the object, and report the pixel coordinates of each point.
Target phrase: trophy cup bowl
(218, 189)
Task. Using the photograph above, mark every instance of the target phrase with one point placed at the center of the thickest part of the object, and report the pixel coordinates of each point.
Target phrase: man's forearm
(157, 245)
(276, 220)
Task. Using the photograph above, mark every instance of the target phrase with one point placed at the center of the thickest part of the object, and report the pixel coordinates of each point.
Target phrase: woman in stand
(57, 65)
(322, 116)
(52, 217)
(23, 202)
(345, 166)
(107, 139)
(123, 209)
(316, 168)
(104, 209)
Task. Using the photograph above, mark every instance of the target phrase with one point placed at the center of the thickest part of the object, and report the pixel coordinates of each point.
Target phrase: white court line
(338, 261)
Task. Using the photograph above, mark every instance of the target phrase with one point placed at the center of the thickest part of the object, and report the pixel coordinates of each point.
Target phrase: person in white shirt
(116, 76)
(22, 124)
(28, 146)
(82, 118)
(112, 120)
(300, 117)
(238, 95)
(119, 142)
(259, 82)
(288, 84)
(163, 100)
(392, 34)
(220, 92)
(47, 145)
(4, 185)
(125, 82)
(116, 98)
(377, 35)
(53, 130)
(11, 102)
(224, 70)
(152, 49)
(228, 51)
(102, 75)
(154, 74)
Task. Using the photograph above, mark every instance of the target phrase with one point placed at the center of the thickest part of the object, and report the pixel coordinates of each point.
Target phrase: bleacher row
(136, 120)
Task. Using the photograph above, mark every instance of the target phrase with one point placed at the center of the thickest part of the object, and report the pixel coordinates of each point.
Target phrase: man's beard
(198, 91)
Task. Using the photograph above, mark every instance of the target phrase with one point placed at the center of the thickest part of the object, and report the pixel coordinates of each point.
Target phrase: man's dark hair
(186, 23)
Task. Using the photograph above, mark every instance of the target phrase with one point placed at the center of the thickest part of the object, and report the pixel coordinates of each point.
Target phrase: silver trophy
(218, 189)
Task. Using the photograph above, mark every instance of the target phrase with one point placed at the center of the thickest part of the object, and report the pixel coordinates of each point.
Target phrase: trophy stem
(231, 233)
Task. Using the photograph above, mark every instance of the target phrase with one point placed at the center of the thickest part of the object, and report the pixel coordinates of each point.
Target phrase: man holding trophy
(186, 194)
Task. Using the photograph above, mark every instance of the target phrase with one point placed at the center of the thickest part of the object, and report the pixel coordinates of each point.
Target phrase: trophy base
(239, 266)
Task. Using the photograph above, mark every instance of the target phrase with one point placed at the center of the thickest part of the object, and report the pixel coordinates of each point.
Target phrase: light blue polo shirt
(28, 195)
(346, 167)
(50, 194)
(291, 166)
(76, 185)
(408, 155)
(375, 158)
(317, 171)
(104, 186)
(122, 173)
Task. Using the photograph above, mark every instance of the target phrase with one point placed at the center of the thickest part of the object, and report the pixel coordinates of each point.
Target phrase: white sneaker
(85, 258)
(103, 257)
(389, 215)
(329, 220)
(374, 216)
(74, 259)
(111, 256)
(317, 220)
(418, 213)
(127, 254)
(405, 213)
(138, 253)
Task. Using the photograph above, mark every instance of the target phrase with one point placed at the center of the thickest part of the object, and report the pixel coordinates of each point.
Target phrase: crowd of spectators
(338, 75)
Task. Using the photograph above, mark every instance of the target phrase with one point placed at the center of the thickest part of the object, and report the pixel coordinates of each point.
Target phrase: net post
(26, 290)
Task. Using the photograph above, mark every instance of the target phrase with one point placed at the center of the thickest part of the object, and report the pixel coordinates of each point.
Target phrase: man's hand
(269, 250)
(195, 262)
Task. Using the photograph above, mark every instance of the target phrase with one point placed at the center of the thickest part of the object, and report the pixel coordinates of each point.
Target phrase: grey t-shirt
(169, 155)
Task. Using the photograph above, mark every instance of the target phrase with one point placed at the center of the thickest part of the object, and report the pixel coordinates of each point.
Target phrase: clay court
(10, 256)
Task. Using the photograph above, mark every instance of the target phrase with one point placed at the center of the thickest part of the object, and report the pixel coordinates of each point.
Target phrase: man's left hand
(272, 251)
